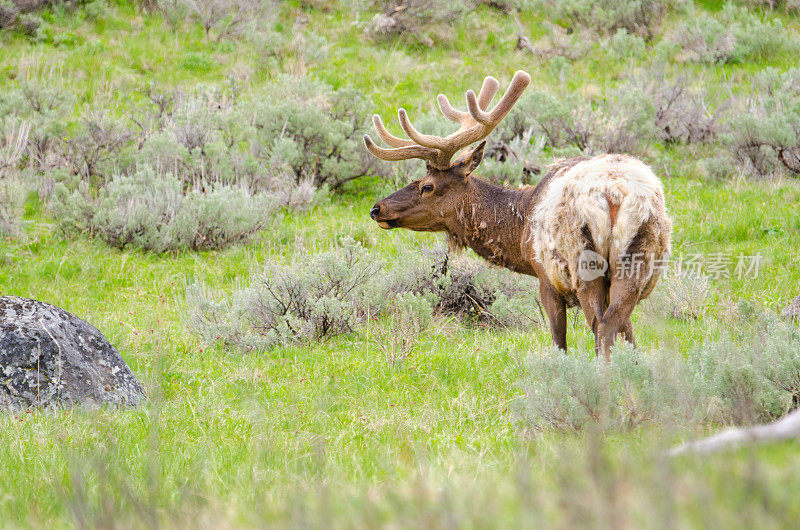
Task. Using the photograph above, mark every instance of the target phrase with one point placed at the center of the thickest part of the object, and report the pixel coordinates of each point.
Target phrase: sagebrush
(752, 374)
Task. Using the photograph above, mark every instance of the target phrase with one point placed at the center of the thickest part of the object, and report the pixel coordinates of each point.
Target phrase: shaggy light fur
(575, 214)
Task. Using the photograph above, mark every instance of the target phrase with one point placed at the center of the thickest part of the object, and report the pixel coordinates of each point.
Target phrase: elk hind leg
(592, 297)
(623, 297)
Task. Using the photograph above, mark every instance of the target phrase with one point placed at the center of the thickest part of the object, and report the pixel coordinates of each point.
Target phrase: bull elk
(594, 230)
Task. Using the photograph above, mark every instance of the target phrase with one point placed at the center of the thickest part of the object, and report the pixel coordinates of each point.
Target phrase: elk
(594, 230)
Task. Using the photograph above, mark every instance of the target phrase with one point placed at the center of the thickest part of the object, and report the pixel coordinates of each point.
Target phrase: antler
(475, 125)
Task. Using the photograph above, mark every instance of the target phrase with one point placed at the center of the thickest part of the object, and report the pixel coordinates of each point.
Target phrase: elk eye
(426, 188)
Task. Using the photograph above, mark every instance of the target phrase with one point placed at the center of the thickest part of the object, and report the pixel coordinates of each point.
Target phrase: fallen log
(782, 429)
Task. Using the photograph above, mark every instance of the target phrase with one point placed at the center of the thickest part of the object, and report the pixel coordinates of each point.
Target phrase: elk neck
(492, 221)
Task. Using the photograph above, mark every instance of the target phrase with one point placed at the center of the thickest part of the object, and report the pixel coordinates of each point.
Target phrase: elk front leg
(556, 309)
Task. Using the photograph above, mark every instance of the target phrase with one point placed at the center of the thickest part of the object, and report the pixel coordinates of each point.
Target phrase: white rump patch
(580, 197)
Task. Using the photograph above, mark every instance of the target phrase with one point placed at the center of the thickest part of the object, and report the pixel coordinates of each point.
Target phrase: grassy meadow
(335, 432)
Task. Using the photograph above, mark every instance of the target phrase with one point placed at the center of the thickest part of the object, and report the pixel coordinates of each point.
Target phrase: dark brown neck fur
(494, 221)
(491, 221)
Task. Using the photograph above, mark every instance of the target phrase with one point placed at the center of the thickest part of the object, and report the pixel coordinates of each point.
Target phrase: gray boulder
(793, 309)
(49, 357)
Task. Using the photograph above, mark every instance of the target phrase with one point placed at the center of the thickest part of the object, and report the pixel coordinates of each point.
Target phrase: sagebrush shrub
(44, 109)
(295, 132)
(683, 113)
(557, 42)
(219, 18)
(419, 21)
(464, 286)
(13, 193)
(22, 14)
(9, 13)
(296, 127)
(411, 314)
(640, 17)
(312, 297)
(729, 381)
(626, 46)
(621, 122)
(681, 294)
(763, 136)
(152, 211)
(733, 35)
(315, 131)
(513, 160)
(790, 6)
(95, 149)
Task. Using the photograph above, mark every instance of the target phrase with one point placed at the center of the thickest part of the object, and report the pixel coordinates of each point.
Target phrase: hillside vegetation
(189, 176)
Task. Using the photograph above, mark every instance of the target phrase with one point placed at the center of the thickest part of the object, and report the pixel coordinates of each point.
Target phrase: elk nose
(375, 211)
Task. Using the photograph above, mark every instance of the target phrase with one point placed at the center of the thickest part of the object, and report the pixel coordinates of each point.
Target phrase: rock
(793, 309)
(49, 357)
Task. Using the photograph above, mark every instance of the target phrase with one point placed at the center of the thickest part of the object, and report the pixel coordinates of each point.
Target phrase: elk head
(427, 203)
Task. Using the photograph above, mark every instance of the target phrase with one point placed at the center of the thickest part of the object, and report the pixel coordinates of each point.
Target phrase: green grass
(332, 434)
(333, 429)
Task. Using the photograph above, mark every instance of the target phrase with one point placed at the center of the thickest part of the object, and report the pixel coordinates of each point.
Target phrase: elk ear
(470, 161)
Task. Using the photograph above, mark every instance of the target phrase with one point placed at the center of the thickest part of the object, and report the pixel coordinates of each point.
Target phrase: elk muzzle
(379, 215)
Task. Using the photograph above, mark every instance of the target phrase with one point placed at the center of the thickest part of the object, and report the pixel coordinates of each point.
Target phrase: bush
(418, 21)
(219, 18)
(681, 294)
(223, 17)
(763, 136)
(628, 119)
(411, 314)
(557, 42)
(622, 122)
(790, 6)
(465, 287)
(639, 17)
(21, 14)
(95, 149)
(625, 46)
(9, 13)
(514, 160)
(728, 381)
(13, 143)
(314, 131)
(151, 211)
(13, 193)
(267, 141)
(682, 114)
(733, 35)
(313, 297)
(44, 110)
(298, 127)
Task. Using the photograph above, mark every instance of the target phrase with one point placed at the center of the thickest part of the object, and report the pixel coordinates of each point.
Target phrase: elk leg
(627, 331)
(592, 297)
(623, 297)
(556, 309)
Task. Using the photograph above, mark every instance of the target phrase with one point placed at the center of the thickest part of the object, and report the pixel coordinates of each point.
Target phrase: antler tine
(488, 90)
(450, 112)
(425, 140)
(475, 125)
(518, 84)
(386, 136)
(401, 153)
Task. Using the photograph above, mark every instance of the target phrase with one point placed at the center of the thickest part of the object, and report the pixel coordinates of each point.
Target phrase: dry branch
(782, 429)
